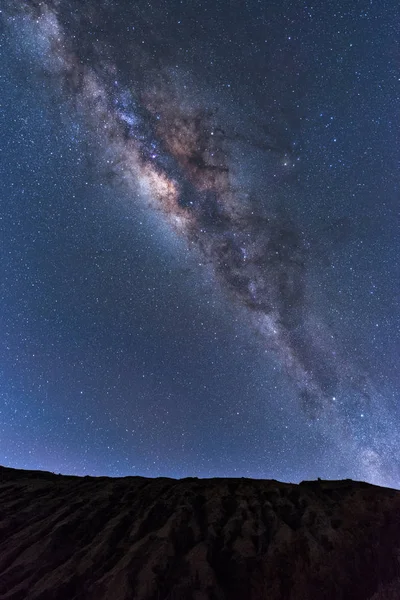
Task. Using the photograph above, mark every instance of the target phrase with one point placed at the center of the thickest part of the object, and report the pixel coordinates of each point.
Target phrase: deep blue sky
(121, 350)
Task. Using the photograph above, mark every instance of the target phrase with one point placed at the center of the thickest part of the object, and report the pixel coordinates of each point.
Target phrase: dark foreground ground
(70, 538)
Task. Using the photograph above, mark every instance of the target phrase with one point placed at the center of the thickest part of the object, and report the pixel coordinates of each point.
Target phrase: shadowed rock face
(134, 538)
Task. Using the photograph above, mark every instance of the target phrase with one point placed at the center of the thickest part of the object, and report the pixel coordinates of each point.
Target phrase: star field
(200, 248)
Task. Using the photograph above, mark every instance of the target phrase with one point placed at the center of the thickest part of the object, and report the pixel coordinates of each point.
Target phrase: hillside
(132, 538)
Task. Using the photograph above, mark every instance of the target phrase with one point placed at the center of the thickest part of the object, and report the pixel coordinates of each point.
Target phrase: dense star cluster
(214, 130)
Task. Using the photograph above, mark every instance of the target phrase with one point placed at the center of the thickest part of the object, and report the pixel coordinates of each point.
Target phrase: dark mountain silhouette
(132, 538)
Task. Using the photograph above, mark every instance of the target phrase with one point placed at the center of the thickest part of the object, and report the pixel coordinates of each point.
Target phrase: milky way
(159, 135)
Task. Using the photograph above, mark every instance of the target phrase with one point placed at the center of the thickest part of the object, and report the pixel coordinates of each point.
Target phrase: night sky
(200, 238)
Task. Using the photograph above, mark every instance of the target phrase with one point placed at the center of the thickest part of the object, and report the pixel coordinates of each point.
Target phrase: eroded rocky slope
(134, 538)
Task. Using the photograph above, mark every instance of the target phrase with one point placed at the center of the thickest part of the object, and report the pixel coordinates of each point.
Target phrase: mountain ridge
(94, 538)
